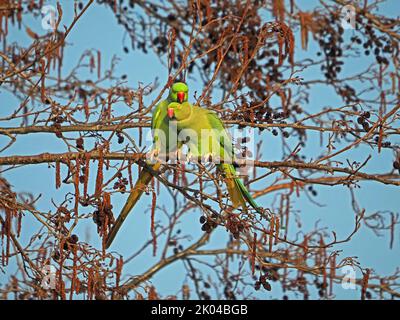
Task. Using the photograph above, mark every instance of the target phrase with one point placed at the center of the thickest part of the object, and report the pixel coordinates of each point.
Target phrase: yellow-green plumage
(205, 135)
(163, 141)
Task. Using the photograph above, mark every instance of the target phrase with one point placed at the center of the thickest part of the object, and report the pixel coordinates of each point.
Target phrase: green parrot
(165, 140)
(205, 136)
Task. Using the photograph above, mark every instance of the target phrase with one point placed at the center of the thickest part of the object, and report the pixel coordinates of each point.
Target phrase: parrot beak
(170, 113)
(181, 96)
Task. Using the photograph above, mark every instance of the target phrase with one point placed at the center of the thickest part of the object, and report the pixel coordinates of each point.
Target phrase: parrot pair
(176, 122)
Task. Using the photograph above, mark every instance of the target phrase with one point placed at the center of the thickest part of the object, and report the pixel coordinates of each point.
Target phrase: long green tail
(237, 190)
(135, 194)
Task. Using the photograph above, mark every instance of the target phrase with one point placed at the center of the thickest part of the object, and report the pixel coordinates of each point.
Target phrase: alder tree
(318, 86)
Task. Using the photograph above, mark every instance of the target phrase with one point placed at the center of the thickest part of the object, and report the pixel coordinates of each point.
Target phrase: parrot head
(179, 92)
(179, 111)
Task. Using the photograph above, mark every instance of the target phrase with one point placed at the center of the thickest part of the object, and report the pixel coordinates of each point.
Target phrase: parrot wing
(237, 190)
(156, 118)
(144, 177)
(225, 139)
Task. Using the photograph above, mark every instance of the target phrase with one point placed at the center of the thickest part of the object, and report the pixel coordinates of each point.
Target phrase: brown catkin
(74, 271)
(99, 178)
(86, 108)
(86, 177)
(19, 223)
(365, 280)
(253, 253)
(176, 177)
(130, 174)
(58, 175)
(271, 233)
(42, 82)
(393, 223)
(90, 283)
(277, 226)
(118, 271)
(380, 138)
(153, 211)
(98, 64)
(278, 9)
(76, 184)
(7, 226)
(332, 273)
(183, 175)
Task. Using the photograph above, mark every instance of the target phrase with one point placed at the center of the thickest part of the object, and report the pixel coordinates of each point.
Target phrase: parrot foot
(178, 154)
(208, 157)
(189, 157)
(153, 155)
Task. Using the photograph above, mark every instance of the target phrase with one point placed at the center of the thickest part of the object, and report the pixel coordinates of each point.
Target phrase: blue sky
(98, 30)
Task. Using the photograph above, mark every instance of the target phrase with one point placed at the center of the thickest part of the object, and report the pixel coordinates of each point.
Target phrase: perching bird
(205, 136)
(164, 140)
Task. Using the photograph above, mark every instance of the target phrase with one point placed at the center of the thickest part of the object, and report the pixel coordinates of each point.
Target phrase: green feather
(189, 117)
(158, 122)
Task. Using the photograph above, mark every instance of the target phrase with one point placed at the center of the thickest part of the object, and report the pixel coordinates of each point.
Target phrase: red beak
(181, 96)
(170, 113)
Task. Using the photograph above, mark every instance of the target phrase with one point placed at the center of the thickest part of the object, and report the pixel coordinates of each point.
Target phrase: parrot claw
(153, 155)
(189, 157)
(208, 157)
(178, 154)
